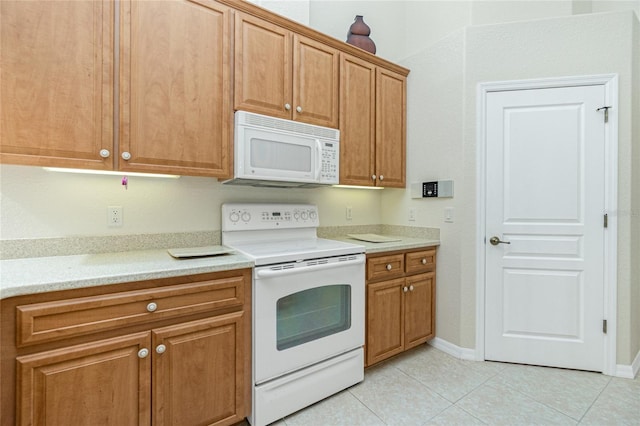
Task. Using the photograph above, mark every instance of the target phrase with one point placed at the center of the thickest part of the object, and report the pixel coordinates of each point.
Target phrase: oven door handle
(269, 273)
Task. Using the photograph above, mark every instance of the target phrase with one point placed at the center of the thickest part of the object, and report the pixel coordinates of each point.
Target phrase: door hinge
(606, 220)
(604, 326)
(606, 113)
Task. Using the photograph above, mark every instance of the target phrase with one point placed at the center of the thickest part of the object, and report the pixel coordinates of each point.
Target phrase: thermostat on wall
(434, 189)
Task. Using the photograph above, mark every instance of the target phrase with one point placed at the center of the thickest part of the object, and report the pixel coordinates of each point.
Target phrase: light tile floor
(425, 386)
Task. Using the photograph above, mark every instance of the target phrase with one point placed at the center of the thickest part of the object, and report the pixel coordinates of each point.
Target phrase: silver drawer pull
(405, 289)
(151, 307)
(161, 349)
(388, 266)
(143, 353)
(410, 288)
(424, 261)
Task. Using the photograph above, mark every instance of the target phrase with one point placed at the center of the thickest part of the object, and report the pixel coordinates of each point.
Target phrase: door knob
(495, 241)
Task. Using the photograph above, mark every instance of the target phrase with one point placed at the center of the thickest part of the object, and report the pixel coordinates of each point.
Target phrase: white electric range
(308, 306)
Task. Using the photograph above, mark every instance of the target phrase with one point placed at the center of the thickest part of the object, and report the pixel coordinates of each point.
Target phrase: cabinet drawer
(385, 267)
(48, 321)
(420, 261)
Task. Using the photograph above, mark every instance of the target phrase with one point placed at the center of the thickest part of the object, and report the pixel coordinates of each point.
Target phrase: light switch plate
(448, 214)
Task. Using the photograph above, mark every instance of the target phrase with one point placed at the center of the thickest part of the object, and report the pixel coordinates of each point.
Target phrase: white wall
(634, 213)
(494, 12)
(580, 45)
(434, 147)
(297, 10)
(36, 203)
(442, 143)
(385, 18)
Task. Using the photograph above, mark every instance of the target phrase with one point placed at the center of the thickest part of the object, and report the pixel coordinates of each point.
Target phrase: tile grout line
(539, 402)
(596, 399)
(366, 406)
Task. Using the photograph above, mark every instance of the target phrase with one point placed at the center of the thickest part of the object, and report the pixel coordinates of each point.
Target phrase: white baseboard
(454, 350)
(629, 371)
(622, 370)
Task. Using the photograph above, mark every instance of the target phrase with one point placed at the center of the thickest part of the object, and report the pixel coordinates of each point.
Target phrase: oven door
(306, 312)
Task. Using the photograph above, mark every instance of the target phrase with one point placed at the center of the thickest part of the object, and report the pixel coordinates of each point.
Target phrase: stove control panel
(249, 216)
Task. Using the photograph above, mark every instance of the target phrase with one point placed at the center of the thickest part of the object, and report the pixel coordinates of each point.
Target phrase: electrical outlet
(114, 216)
(349, 213)
(412, 215)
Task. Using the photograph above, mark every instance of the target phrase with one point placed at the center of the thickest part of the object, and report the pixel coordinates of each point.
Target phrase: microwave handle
(319, 160)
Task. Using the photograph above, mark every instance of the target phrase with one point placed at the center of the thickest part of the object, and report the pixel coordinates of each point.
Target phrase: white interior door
(545, 195)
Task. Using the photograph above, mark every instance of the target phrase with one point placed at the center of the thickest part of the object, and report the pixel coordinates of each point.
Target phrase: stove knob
(305, 215)
(246, 216)
(312, 214)
(234, 217)
(296, 215)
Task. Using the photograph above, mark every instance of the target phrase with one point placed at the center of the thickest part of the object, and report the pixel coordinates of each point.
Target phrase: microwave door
(280, 156)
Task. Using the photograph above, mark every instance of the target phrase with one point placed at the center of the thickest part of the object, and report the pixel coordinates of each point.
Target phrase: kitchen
(440, 145)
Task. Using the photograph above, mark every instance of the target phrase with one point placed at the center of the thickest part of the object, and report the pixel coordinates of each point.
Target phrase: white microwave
(274, 152)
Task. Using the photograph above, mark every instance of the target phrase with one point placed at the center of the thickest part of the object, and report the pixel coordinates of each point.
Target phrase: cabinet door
(262, 67)
(198, 373)
(56, 89)
(385, 320)
(175, 87)
(357, 121)
(419, 309)
(98, 383)
(391, 101)
(315, 82)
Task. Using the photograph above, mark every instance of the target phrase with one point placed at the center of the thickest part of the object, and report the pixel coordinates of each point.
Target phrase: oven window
(312, 314)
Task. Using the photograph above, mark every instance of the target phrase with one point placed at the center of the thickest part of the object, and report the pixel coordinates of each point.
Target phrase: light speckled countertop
(31, 275)
(405, 243)
(43, 274)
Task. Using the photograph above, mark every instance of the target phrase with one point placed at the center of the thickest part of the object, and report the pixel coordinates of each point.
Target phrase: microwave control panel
(330, 163)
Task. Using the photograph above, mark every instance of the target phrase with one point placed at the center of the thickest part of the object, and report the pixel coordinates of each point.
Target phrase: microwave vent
(287, 125)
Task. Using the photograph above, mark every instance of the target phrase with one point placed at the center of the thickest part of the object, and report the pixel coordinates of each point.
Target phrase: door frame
(610, 83)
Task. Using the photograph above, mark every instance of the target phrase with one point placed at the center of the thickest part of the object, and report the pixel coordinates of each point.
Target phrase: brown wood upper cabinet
(56, 93)
(372, 124)
(174, 86)
(284, 74)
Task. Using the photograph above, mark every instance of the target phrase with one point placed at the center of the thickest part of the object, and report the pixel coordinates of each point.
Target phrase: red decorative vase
(359, 35)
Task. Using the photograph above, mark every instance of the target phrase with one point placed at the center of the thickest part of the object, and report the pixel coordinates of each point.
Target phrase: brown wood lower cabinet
(98, 383)
(189, 367)
(400, 302)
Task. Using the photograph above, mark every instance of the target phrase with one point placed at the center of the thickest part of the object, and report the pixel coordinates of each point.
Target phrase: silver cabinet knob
(424, 261)
(405, 289)
(287, 107)
(299, 109)
(126, 155)
(104, 153)
(143, 353)
(161, 349)
(410, 288)
(381, 177)
(373, 177)
(151, 307)
(388, 266)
